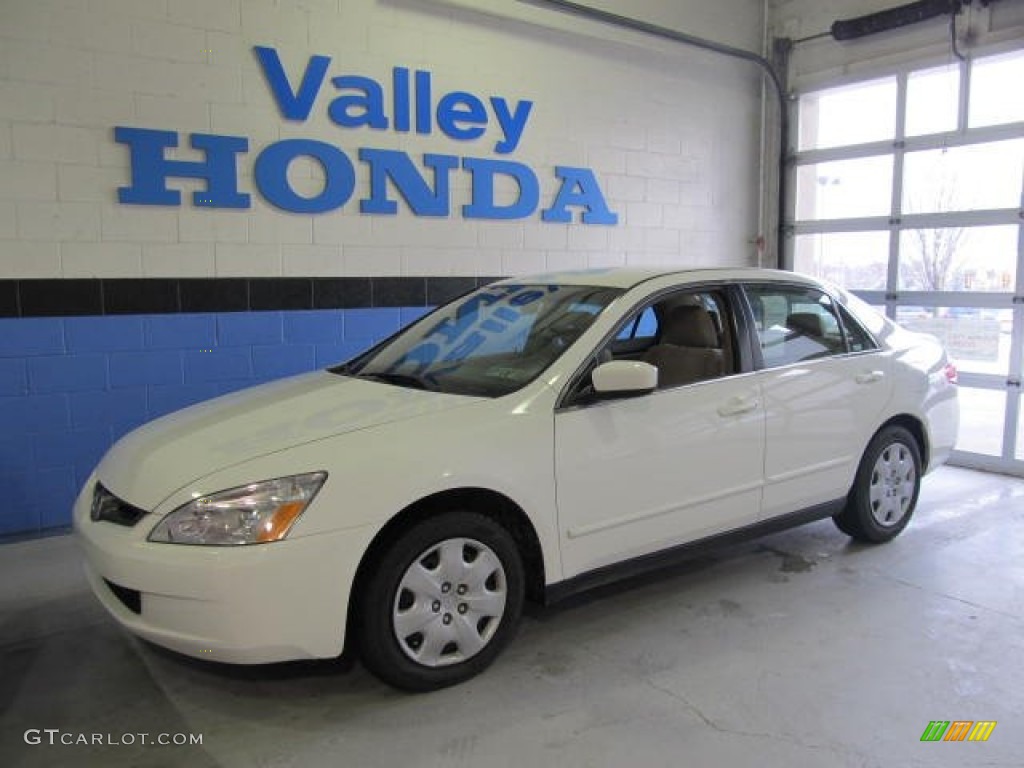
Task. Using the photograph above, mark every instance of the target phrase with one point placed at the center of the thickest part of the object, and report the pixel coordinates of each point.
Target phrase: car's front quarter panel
(502, 445)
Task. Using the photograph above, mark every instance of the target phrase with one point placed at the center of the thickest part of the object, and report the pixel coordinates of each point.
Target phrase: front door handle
(737, 405)
(869, 377)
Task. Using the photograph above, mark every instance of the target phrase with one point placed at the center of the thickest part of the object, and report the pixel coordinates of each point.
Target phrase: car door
(645, 473)
(824, 383)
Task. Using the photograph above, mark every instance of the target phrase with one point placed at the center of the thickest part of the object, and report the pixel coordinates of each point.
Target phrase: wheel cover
(449, 602)
(893, 483)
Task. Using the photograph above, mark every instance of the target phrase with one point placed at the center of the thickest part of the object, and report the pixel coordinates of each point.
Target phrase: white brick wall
(93, 107)
(268, 21)
(87, 182)
(8, 223)
(169, 41)
(178, 260)
(58, 221)
(101, 259)
(649, 118)
(55, 143)
(203, 225)
(27, 180)
(30, 61)
(321, 260)
(124, 223)
(25, 258)
(269, 226)
(223, 15)
(25, 101)
(248, 260)
(374, 261)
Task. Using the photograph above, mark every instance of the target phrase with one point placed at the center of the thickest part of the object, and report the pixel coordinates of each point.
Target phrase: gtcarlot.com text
(55, 736)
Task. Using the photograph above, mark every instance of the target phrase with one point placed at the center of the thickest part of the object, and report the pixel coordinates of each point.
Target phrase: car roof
(630, 277)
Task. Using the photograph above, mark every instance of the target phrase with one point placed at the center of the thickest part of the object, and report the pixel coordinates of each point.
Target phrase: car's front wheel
(885, 489)
(441, 602)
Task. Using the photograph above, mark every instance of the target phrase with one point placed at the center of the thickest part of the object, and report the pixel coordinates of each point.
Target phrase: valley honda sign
(410, 103)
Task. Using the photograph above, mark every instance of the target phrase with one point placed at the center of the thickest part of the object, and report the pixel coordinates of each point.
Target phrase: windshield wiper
(400, 380)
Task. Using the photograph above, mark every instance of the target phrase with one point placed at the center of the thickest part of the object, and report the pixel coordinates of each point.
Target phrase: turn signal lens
(278, 524)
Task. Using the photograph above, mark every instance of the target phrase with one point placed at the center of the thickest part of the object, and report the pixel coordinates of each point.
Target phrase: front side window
(488, 343)
(688, 335)
(795, 324)
(689, 338)
(640, 327)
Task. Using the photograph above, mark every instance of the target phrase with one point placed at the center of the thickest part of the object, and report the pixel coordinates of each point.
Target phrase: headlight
(252, 514)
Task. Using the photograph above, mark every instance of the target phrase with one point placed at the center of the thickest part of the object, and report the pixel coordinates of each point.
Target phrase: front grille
(106, 506)
(130, 598)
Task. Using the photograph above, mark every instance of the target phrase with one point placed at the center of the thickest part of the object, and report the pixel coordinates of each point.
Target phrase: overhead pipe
(666, 33)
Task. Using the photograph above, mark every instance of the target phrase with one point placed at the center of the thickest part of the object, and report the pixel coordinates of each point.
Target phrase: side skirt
(553, 593)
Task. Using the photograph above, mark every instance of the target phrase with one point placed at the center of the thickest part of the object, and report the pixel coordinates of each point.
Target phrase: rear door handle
(738, 405)
(869, 377)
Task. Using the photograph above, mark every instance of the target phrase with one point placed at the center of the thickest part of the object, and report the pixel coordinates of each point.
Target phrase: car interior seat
(807, 324)
(689, 349)
(806, 338)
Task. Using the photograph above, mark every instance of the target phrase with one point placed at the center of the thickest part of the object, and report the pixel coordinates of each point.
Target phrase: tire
(885, 489)
(441, 603)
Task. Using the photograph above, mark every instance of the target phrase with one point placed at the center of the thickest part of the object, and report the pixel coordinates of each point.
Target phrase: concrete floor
(801, 649)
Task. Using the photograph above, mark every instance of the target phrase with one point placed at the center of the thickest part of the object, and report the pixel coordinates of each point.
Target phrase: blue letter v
(293, 105)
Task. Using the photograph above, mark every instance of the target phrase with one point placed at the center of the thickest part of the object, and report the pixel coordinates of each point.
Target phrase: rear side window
(857, 339)
(797, 323)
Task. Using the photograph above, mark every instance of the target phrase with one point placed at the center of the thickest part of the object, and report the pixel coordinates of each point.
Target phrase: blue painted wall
(71, 386)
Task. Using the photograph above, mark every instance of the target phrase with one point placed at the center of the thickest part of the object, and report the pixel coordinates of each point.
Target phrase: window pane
(856, 260)
(851, 114)
(844, 189)
(996, 93)
(970, 178)
(643, 326)
(647, 327)
(794, 324)
(981, 425)
(933, 97)
(977, 339)
(959, 259)
(857, 339)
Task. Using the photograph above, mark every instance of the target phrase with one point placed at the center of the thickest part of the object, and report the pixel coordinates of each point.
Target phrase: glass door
(909, 189)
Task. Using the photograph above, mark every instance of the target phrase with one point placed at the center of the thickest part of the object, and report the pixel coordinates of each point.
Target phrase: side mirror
(622, 378)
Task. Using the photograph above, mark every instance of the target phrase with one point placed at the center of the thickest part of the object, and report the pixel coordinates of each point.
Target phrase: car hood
(161, 457)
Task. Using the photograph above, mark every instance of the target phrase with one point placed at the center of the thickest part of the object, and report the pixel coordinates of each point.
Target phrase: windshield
(488, 343)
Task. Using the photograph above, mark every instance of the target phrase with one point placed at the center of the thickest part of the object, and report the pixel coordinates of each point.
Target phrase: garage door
(909, 189)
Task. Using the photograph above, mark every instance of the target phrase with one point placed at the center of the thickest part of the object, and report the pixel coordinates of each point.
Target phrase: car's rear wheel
(885, 489)
(441, 603)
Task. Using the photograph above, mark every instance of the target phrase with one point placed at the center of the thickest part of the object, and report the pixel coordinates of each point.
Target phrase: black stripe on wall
(154, 296)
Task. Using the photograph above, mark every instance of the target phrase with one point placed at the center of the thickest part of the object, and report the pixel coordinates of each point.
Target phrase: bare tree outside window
(934, 260)
(935, 266)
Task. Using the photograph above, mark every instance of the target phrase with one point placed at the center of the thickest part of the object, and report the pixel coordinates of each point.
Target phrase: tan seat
(808, 340)
(807, 324)
(689, 349)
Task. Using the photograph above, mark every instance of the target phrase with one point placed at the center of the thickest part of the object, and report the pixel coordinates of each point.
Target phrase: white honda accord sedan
(533, 438)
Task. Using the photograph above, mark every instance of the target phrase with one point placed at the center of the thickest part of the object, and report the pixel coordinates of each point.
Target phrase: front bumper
(246, 604)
